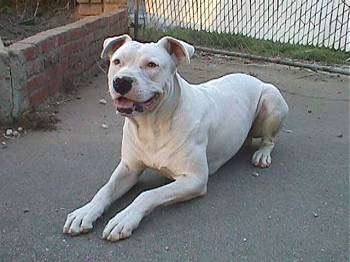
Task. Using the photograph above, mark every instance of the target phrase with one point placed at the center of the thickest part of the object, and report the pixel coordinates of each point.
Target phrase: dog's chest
(164, 156)
(158, 161)
(155, 157)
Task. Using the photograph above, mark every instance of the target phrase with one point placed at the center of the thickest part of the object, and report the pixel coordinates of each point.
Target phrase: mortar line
(12, 93)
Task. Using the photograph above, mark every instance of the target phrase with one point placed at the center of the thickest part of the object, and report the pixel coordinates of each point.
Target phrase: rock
(104, 126)
(3, 145)
(315, 214)
(287, 130)
(2, 47)
(256, 174)
(244, 240)
(166, 248)
(9, 132)
(102, 101)
(26, 210)
(16, 133)
(340, 135)
(20, 129)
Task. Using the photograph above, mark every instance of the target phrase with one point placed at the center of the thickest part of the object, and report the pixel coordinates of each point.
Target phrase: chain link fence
(322, 23)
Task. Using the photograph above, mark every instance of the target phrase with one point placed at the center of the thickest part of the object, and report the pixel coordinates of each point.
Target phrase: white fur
(192, 132)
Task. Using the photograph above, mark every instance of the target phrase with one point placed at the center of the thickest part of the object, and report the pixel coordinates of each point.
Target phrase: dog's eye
(116, 62)
(152, 65)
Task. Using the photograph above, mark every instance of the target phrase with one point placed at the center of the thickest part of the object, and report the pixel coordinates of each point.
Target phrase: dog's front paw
(122, 225)
(80, 221)
(262, 158)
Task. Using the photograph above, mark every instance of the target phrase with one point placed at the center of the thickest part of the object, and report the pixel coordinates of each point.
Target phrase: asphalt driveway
(297, 210)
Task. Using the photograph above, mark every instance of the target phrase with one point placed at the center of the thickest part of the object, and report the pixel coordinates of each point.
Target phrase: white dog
(184, 131)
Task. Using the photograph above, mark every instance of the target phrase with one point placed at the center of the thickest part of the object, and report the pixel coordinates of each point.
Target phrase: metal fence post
(136, 19)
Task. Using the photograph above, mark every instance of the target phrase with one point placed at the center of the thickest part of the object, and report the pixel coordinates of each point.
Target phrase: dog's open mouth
(127, 106)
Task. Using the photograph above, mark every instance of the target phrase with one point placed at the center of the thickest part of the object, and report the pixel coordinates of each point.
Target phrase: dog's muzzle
(122, 85)
(127, 106)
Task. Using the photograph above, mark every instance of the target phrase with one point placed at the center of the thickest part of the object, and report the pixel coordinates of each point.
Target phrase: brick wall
(42, 64)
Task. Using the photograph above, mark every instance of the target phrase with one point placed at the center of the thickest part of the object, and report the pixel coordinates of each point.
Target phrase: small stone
(20, 129)
(104, 126)
(26, 210)
(102, 101)
(315, 214)
(244, 240)
(3, 145)
(9, 132)
(322, 249)
(256, 174)
(287, 130)
(340, 135)
(166, 248)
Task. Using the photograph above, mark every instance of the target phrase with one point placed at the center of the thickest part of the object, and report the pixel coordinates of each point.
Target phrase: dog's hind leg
(272, 111)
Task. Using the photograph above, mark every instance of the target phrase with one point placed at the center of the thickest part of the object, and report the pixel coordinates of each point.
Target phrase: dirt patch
(17, 24)
(45, 117)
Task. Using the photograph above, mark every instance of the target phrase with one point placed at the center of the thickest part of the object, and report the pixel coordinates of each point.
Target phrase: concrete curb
(37, 67)
(282, 61)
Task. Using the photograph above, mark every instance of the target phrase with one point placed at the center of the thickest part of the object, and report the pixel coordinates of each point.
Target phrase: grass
(250, 45)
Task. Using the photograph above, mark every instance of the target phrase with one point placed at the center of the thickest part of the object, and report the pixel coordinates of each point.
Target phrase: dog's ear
(179, 50)
(110, 45)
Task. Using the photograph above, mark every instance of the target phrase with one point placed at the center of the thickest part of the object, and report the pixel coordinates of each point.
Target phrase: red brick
(62, 39)
(71, 48)
(89, 38)
(91, 24)
(64, 65)
(51, 59)
(35, 67)
(30, 51)
(55, 79)
(48, 45)
(38, 97)
(74, 59)
(77, 32)
(36, 82)
(44, 42)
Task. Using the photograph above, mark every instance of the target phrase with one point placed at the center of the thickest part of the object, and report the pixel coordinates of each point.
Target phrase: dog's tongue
(123, 102)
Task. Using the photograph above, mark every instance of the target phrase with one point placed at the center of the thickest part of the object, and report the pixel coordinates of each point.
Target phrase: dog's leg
(183, 188)
(81, 220)
(273, 110)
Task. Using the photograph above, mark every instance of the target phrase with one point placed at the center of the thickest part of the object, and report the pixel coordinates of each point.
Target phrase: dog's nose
(122, 85)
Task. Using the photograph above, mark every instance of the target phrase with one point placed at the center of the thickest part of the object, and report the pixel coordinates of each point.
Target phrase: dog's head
(139, 73)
